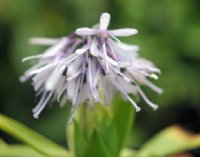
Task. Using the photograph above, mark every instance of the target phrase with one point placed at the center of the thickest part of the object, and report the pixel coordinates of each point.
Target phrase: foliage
(96, 142)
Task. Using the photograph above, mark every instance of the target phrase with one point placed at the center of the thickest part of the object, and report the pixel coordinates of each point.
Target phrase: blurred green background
(169, 35)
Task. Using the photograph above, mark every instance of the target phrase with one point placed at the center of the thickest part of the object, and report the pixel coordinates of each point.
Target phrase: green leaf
(126, 152)
(96, 147)
(80, 140)
(18, 151)
(123, 120)
(101, 130)
(33, 139)
(2, 142)
(107, 132)
(172, 140)
(93, 145)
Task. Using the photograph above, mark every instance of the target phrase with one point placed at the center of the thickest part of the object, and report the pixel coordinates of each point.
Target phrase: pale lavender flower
(81, 68)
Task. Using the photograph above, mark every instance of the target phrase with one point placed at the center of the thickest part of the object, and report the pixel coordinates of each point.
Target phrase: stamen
(154, 76)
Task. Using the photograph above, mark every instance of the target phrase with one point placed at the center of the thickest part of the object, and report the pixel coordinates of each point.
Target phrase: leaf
(80, 141)
(96, 147)
(123, 120)
(92, 145)
(94, 132)
(169, 141)
(18, 151)
(101, 130)
(126, 152)
(31, 138)
(107, 132)
(2, 142)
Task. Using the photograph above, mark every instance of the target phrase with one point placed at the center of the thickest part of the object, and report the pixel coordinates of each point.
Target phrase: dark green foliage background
(169, 35)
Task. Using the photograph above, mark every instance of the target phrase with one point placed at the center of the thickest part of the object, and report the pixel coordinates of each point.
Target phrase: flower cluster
(89, 66)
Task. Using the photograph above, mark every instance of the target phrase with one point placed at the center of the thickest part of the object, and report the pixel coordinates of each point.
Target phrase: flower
(91, 61)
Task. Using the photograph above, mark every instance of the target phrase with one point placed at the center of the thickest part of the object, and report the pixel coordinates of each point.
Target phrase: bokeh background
(169, 35)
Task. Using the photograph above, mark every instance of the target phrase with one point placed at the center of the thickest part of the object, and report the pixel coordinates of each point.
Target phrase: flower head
(80, 67)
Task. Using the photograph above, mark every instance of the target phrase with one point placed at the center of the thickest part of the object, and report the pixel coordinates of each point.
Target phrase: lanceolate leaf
(126, 152)
(172, 140)
(31, 138)
(18, 151)
(123, 120)
(96, 147)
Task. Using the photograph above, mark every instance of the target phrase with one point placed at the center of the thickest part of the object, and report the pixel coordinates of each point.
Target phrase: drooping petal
(116, 83)
(42, 99)
(39, 70)
(54, 78)
(92, 74)
(27, 75)
(32, 57)
(109, 90)
(94, 49)
(43, 41)
(40, 79)
(122, 53)
(104, 21)
(60, 89)
(151, 104)
(57, 48)
(71, 86)
(128, 48)
(75, 98)
(105, 56)
(74, 68)
(41, 106)
(123, 32)
(86, 31)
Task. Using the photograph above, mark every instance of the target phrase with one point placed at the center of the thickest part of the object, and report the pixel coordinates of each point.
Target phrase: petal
(123, 32)
(85, 31)
(32, 57)
(40, 79)
(60, 89)
(127, 47)
(43, 41)
(121, 89)
(50, 52)
(41, 101)
(54, 79)
(81, 50)
(151, 104)
(57, 48)
(75, 98)
(109, 90)
(63, 101)
(74, 69)
(94, 49)
(39, 70)
(92, 75)
(27, 75)
(41, 106)
(105, 56)
(75, 55)
(71, 86)
(104, 21)
(122, 53)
